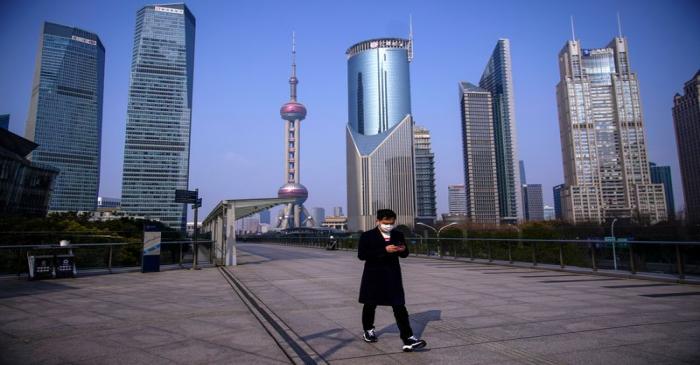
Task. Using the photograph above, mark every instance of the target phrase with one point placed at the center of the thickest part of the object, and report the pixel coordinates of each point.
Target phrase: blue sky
(242, 65)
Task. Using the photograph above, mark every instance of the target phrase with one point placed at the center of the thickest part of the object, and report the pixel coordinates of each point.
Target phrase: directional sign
(186, 196)
(198, 204)
(622, 242)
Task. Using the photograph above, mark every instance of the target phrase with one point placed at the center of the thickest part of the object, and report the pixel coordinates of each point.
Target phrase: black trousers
(400, 313)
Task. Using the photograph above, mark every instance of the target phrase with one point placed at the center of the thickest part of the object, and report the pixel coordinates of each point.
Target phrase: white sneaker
(412, 343)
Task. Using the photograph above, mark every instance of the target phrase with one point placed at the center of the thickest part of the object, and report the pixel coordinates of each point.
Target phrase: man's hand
(394, 248)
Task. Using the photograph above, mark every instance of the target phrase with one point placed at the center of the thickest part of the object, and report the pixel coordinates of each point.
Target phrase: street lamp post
(437, 231)
(612, 233)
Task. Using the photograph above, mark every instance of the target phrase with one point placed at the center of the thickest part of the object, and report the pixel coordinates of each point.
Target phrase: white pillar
(219, 234)
(230, 258)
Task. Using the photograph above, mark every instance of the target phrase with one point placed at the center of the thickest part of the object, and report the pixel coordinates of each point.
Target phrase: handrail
(98, 244)
(678, 258)
(508, 239)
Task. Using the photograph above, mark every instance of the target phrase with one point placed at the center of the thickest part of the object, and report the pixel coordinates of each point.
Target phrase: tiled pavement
(470, 313)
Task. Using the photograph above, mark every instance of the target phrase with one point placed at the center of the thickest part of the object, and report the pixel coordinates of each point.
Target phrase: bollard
(534, 254)
(593, 263)
(633, 269)
(679, 263)
(561, 255)
(510, 253)
(109, 262)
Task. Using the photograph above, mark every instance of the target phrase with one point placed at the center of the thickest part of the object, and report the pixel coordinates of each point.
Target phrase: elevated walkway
(285, 304)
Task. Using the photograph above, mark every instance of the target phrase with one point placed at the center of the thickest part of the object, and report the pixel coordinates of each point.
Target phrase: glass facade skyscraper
(556, 192)
(65, 113)
(157, 147)
(456, 200)
(533, 205)
(379, 135)
(662, 175)
(686, 120)
(479, 152)
(602, 137)
(497, 78)
(426, 210)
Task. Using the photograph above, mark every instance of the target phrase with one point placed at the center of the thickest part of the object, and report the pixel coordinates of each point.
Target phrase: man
(380, 249)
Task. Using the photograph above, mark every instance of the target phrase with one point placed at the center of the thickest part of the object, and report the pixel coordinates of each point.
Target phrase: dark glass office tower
(65, 113)
(532, 202)
(556, 192)
(479, 152)
(157, 148)
(662, 175)
(5, 121)
(497, 78)
(686, 120)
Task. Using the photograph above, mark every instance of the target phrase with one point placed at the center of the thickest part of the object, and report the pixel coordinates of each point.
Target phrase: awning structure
(221, 223)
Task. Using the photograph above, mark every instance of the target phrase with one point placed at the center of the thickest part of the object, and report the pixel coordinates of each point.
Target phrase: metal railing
(678, 258)
(106, 256)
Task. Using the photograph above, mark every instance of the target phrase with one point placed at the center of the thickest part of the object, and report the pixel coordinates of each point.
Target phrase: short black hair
(385, 214)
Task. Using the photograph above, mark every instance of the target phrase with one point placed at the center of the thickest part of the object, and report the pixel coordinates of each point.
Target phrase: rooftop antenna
(573, 34)
(410, 37)
(619, 25)
(293, 79)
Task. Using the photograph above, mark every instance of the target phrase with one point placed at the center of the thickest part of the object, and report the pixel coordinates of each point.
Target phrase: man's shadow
(420, 320)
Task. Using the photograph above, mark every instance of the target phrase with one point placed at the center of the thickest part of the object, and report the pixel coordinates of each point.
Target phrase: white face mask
(386, 228)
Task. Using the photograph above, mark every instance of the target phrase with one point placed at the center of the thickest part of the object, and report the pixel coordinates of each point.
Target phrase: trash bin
(41, 267)
(65, 266)
(332, 244)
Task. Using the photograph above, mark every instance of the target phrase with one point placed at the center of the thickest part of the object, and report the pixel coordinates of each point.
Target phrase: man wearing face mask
(380, 249)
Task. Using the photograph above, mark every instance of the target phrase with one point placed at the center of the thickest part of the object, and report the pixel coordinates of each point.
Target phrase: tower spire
(619, 25)
(293, 81)
(410, 37)
(573, 34)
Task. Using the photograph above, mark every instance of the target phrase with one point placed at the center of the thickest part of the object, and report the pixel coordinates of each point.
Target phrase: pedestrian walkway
(287, 304)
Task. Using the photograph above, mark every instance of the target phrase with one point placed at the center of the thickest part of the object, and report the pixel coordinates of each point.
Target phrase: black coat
(381, 279)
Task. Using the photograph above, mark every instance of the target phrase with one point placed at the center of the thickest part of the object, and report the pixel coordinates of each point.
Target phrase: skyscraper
(602, 137)
(319, 215)
(479, 151)
(265, 217)
(426, 211)
(65, 113)
(533, 207)
(662, 175)
(159, 114)
(523, 179)
(498, 80)
(380, 165)
(686, 119)
(457, 200)
(5, 121)
(556, 191)
(523, 183)
(337, 211)
(549, 213)
(294, 214)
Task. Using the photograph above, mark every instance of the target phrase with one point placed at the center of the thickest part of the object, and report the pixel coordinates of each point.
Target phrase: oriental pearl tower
(294, 214)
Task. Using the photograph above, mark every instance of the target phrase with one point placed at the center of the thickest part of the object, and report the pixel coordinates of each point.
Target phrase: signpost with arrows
(191, 197)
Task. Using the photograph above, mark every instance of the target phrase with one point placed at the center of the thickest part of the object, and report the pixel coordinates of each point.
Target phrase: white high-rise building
(604, 153)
